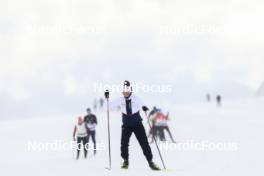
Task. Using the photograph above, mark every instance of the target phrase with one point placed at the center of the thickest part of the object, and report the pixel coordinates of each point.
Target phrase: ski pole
(108, 127)
(156, 142)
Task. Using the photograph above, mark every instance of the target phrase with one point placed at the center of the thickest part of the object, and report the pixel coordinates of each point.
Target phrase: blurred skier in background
(95, 104)
(208, 97)
(80, 131)
(219, 100)
(152, 122)
(161, 124)
(91, 123)
(101, 103)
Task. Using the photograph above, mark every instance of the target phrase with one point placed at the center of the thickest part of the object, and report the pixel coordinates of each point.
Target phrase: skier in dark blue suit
(132, 123)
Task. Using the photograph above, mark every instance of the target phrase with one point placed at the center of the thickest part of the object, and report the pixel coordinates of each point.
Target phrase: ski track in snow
(240, 121)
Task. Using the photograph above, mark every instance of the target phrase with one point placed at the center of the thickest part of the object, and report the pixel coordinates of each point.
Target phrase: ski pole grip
(106, 93)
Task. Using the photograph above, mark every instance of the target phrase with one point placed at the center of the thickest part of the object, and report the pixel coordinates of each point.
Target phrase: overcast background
(53, 51)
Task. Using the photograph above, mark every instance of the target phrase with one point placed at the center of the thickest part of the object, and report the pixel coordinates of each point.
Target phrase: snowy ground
(238, 122)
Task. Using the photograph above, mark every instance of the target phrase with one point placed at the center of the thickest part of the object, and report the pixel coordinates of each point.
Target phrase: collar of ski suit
(129, 97)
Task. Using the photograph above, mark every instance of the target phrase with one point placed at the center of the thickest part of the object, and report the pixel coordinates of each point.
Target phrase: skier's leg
(162, 134)
(94, 141)
(88, 140)
(85, 146)
(78, 147)
(154, 133)
(158, 134)
(88, 137)
(125, 136)
(141, 136)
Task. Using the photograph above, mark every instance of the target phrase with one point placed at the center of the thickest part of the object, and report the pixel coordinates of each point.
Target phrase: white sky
(52, 47)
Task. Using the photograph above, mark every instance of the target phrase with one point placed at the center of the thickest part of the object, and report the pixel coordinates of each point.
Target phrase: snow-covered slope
(239, 123)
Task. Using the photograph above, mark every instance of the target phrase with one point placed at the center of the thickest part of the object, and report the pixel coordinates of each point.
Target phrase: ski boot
(125, 164)
(153, 166)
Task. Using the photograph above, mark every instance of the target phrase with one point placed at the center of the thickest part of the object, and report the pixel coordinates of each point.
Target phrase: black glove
(106, 94)
(145, 108)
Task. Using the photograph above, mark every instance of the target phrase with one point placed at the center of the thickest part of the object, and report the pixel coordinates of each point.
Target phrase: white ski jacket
(81, 130)
(136, 104)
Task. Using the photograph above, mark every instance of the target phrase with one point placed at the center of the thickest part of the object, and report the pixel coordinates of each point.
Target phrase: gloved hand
(145, 108)
(106, 94)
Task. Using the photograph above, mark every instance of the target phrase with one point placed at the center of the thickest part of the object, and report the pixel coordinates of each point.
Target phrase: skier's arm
(154, 117)
(86, 126)
(85, 119)
(95, 119)
(74, 132)
(167, 116)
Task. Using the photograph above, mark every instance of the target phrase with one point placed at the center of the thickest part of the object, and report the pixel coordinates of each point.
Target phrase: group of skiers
(159, 123)
(83, 130)
(130, 106)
